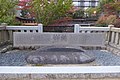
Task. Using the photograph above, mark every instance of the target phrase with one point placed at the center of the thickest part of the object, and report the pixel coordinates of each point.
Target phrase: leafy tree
(7, 7)
(103, 2)
(48, 11)
(7, 11)
(112, 8)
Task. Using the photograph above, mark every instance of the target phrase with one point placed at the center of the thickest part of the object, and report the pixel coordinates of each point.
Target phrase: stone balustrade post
(40, 28)
(76, 28)
(110, 26)
(109, 34)
(4, 25)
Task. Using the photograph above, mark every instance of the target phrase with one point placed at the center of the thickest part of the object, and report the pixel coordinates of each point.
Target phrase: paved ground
(60, 76)
(17, 58)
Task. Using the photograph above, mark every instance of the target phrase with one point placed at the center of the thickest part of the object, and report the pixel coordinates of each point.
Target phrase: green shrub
(10, 20)
(7, 11)
(78, 14)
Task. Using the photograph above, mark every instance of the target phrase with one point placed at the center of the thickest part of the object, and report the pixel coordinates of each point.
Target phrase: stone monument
(60, 55)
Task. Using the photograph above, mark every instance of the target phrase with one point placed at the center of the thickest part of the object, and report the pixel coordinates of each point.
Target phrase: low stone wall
(112, 76)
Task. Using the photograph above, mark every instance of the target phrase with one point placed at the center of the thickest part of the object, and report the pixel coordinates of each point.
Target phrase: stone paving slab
(113, 76)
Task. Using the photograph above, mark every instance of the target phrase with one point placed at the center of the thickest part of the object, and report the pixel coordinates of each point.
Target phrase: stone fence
(111, 34)
(6, 32)
(114, 40)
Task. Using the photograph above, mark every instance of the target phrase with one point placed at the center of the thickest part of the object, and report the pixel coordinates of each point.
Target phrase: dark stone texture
(59, 55)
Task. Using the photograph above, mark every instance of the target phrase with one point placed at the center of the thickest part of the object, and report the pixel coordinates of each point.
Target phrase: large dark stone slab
(59, 55)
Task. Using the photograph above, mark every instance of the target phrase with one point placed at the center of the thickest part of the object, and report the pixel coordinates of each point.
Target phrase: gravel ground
(17, 58)
(105, 58)
(13, 58)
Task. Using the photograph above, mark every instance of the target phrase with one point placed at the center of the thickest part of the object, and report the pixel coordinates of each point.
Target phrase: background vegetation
(8, 12)
(47, 12)
(109, 13)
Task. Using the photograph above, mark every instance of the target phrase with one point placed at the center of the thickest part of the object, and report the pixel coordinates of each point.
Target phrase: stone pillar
(3, 24)
(109, 34)
(40, 28)
(76, 28)
(5, 35)
(110, 26)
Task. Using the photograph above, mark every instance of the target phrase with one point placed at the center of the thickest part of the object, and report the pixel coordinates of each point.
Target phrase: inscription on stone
(59, 38)
(38, 39)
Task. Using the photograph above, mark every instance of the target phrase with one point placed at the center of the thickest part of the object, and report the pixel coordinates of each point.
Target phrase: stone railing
(90, 36)
(79, 29)
(114, 40)
(30, 29)
(9, 30)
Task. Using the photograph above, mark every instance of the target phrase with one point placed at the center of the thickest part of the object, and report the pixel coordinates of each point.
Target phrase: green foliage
(10, 20)
(90, 11)
(7, 11)
(6, 7)
(78, 14)
(102, 3)
(46, 12)
(116, 6)
(112, 8)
